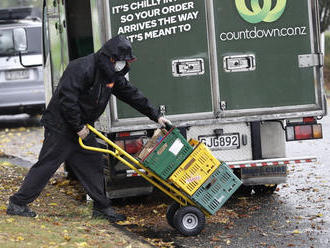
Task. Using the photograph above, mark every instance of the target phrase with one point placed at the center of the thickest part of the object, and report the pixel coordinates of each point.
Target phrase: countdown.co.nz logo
(258, 14)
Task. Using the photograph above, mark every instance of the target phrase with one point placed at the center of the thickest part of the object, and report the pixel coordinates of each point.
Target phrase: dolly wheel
(189, 220)
(171, 210)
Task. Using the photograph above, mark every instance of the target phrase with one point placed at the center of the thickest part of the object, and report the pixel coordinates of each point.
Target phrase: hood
(118, 48)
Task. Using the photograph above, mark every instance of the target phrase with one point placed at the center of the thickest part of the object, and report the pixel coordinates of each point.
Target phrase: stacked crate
(168, 154)
(193, 169)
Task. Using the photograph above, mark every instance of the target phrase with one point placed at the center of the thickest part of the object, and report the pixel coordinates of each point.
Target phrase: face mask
(119, 65)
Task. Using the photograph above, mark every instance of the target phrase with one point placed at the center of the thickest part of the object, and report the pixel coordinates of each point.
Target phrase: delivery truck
(242, 76)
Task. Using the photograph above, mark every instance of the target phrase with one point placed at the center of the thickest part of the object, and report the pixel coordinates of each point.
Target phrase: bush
(327, 42)
(327, 50)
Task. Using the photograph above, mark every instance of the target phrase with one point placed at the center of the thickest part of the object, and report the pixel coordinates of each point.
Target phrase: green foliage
(327, 50)
(327, 43)
(17, 3)
(324, 6)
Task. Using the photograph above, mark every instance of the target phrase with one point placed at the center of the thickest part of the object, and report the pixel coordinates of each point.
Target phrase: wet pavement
(297, 214)
(21, 138)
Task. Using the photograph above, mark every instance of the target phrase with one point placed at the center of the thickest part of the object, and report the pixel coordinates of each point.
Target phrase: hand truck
(183, 215)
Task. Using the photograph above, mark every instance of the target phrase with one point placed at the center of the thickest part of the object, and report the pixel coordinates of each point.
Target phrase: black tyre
(189, 220)
(171, 210)
(264, 189)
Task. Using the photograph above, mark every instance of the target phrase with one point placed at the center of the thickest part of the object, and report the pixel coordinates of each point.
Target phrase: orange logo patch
(110, 85)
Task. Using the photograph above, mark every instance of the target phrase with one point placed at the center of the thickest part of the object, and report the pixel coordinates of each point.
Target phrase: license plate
(264, 171)
(221, 142)
(17, 74)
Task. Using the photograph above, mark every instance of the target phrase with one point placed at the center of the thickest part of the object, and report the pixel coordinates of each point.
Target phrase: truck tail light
(130, 142)
(303, 132)
(133, 146)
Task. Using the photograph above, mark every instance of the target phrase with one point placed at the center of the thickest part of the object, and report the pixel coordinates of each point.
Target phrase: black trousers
(86, 165)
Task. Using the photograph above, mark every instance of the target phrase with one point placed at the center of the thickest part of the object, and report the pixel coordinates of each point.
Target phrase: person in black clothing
(80, 98)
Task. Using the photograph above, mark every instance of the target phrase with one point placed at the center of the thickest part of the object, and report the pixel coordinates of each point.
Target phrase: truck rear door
(268, 59)
(170, 41)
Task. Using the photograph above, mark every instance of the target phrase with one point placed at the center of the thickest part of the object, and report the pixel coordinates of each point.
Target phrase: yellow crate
(195, 170)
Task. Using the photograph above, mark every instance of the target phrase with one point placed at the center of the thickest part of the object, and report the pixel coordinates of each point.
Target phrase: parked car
(21, 75)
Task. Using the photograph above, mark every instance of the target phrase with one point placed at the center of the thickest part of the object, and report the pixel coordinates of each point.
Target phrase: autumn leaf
(81, 244)
(10, 220)
(66, 237)
(19, 238)
(64, 183)
(296, 232)
(123, 223)
(162, 206)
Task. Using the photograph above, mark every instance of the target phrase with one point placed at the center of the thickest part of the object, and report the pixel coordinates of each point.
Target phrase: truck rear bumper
(271, 171)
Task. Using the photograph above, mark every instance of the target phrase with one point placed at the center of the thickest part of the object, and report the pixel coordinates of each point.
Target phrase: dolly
(187, 214)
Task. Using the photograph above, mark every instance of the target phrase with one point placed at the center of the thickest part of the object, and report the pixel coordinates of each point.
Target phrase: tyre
(171, 210)
(189, 220)
(264, 189)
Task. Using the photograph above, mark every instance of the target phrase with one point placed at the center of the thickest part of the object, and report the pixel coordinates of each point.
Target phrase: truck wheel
(189, 220)
(264, 189)
(171, 210)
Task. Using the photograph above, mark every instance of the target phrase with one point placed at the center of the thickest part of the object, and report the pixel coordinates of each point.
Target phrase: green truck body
(231, 73)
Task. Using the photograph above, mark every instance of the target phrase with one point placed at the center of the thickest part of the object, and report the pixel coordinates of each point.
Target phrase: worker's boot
(24, 210)
(108, 213)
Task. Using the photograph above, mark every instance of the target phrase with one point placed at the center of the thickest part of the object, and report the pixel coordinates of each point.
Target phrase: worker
(80, 98)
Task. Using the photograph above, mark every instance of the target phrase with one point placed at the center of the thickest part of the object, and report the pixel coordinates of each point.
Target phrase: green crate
(168, 154)
(217, 189)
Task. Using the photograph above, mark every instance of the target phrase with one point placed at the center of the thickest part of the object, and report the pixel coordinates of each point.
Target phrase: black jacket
(84, 91)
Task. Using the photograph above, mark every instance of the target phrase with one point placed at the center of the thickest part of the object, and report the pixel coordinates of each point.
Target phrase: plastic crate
(167, 155)
(195, 170)
(217, 189)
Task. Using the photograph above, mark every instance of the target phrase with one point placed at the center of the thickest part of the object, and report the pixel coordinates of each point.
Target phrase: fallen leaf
(10, 220)
(296, 232)
(122, 223)
(66, 237)
(81, 244)
(19, 238)
(64, 183)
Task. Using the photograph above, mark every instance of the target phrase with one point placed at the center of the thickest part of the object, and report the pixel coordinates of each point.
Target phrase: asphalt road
(296, 215)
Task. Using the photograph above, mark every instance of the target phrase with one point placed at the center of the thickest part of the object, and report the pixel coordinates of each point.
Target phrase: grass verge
(63, 219)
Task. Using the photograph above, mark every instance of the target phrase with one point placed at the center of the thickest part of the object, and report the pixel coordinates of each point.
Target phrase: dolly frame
(148, 175)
